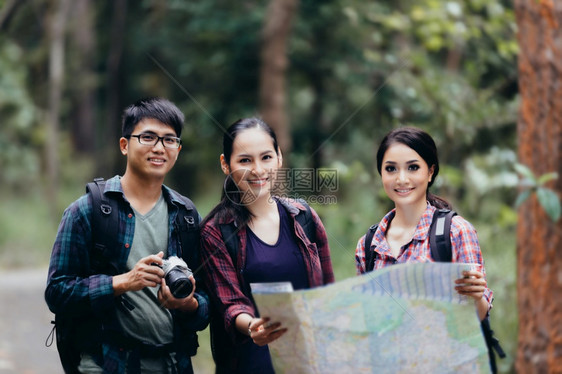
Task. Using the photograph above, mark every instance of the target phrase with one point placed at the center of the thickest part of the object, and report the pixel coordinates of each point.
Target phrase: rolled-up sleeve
(323, 249)
(198, 320)
(466, 248)
(360, 256)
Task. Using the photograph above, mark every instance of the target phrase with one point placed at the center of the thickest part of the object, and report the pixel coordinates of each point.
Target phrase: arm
(260, 330)
(70, 287)
(192, 311)
(467, 249)
(360, 256)
(323, 249)
(144, 274)
(221, 281)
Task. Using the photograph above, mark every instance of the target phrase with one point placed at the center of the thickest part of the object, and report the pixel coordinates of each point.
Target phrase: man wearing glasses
(133, 322)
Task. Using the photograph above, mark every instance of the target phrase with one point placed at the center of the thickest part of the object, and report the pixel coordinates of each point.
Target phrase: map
(405, 318)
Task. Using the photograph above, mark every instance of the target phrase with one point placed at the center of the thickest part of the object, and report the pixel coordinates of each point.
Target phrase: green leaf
(524, 171)
(550, 202)
(523, 196)
(528, 183)
(547, 178)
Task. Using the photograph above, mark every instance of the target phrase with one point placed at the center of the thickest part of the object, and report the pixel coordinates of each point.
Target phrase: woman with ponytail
(408, 164)
(272, 246)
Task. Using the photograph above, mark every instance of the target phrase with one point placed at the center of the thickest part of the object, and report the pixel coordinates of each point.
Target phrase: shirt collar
(113, 186)
(422, 229)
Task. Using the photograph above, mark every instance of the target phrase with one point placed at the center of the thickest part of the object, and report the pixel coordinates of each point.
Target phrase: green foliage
(19, 156)
(357, 69)
(26, 232)
(349, 218)
(547, 198)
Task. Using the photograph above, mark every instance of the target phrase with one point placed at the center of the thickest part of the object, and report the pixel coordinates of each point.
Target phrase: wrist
(243, 323)
(119, 284)
(191, 304)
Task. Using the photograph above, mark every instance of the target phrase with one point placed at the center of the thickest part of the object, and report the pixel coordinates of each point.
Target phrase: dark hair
(423, 144)
(230, 203)
(154, 108)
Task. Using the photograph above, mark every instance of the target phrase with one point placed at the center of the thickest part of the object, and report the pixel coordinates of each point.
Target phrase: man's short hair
(155, 108)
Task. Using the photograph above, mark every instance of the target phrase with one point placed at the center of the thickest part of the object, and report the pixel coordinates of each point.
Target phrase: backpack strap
(439, 239)
(105, 225)
(440, 235)
(370, 255)
(442, 251)
(230, 239)
(492, 343)
(305, 219)
(187, 227)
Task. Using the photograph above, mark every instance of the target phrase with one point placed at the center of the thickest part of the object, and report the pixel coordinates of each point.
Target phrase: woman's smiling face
(253, 163)
(405, 175)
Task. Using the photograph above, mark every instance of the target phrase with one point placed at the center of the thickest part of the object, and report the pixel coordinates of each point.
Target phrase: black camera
(176, 274)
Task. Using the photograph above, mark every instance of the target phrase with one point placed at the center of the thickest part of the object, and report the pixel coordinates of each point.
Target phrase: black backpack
(441, 251)
(105, 223)
(220, 347)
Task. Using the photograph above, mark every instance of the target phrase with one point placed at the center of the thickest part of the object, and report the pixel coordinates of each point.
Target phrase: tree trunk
(317, 119)
(108, 152)
(277, 26)
(56, 32)
(318, 75)
(539, 240)
(7, 12)
(83, 36)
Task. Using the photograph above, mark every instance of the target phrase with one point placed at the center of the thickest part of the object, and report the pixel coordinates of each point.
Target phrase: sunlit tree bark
(276, 30)
(539, 240)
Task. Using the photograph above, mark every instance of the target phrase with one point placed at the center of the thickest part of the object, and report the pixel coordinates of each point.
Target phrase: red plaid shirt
(225, 282)
(463, 240)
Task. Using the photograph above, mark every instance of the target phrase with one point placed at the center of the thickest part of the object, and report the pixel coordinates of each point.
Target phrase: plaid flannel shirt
(464, 243)
(225, 281)
(71, 288)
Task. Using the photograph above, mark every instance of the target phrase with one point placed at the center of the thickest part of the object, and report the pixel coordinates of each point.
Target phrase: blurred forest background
(332, 77)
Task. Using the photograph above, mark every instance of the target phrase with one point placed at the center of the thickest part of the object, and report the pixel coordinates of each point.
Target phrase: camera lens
(180, 285)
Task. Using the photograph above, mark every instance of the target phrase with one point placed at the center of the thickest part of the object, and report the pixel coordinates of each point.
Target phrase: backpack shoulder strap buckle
(106, 209)
(190, 220)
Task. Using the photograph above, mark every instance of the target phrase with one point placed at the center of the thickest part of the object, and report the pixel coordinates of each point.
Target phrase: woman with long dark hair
(272, 246)
(408, 164)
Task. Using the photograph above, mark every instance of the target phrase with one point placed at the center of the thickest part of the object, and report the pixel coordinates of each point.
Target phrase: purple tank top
(281, 262)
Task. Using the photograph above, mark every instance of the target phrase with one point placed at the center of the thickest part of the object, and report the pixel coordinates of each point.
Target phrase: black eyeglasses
(152, 140)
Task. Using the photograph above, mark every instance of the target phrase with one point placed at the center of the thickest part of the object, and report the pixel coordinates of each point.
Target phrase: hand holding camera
(177, 286)
(142, 275)
(177, 276)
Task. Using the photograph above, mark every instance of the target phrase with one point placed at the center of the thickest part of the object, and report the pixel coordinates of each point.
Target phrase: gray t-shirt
(148, 321)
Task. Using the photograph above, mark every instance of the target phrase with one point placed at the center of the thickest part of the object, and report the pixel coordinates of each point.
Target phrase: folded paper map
(405, 318)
